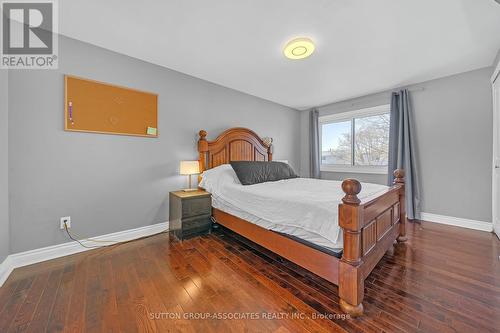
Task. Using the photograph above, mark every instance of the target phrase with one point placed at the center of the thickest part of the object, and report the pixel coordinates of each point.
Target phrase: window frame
(350, 116)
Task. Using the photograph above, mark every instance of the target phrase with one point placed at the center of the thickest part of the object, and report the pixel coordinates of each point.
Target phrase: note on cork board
(98, 107)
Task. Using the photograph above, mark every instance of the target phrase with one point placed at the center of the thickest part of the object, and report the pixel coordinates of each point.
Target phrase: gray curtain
(314, 144)
(402, 150)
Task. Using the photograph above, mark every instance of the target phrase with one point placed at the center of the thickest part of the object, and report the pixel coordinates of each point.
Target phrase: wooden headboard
(234, 144)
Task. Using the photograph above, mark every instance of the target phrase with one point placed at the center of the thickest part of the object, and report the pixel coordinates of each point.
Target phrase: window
(356, 141)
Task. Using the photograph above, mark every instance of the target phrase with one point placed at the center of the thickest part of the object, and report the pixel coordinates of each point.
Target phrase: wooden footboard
(370, 227)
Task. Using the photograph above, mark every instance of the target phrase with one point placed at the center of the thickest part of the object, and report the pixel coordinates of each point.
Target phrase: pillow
(215, 178)
(252, 172)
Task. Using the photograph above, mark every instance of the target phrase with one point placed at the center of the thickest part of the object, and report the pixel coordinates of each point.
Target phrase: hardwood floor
(445, 279)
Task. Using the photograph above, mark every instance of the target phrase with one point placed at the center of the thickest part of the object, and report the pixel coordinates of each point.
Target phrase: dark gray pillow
(250, 172)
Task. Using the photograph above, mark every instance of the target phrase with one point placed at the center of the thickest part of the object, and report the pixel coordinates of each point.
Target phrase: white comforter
(305, 203)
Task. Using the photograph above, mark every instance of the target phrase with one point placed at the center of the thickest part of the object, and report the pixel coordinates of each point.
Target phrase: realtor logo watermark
(29, 34)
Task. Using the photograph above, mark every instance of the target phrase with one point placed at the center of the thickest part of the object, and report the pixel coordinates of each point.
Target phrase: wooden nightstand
(190, 213)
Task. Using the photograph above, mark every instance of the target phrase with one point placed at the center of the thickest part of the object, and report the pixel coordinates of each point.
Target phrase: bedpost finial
(267, 141)
(202, 148)
(351, 188)
(399, 176)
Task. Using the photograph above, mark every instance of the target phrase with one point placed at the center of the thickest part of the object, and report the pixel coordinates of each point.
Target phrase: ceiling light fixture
(299, 48)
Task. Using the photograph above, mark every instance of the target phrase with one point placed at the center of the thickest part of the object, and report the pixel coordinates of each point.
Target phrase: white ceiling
(362, 46)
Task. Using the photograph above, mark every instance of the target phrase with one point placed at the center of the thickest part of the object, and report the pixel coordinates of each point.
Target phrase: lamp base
(190, 189)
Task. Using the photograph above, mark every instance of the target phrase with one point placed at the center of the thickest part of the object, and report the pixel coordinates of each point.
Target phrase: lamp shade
(189, 167)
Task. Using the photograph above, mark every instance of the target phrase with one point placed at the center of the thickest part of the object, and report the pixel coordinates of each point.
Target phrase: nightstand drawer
(196, 222)
(197, 206)
(196, 226)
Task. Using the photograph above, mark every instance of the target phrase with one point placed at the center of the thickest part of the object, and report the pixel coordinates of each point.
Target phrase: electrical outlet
(67, 220)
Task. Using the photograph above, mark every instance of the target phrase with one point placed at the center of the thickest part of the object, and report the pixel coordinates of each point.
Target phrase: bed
(337, 230)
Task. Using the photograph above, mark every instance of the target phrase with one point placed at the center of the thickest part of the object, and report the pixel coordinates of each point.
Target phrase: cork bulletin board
(98, 107)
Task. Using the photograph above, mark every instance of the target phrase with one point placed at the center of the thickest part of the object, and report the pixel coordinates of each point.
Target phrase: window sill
(350, 169)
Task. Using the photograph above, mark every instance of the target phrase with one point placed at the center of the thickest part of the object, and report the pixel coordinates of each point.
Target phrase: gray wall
(109, 183)
(4, 177)
(453, 124)
(497, 60)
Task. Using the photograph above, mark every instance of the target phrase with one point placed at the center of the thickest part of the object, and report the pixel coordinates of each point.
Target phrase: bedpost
(351, 282)
(350, 221)
(268, 143)
(202, 150)
(399, 179)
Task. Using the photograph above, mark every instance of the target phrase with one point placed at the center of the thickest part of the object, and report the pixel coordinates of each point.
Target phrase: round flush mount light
(299, 48)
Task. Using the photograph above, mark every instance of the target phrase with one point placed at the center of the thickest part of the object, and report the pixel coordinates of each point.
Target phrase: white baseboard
(457, 221)
(51, 252)
(5, 270)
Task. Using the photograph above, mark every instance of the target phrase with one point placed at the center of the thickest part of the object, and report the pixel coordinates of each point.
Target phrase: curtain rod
(416, 89)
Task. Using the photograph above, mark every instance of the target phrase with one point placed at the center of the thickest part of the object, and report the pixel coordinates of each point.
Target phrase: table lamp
(189, 168)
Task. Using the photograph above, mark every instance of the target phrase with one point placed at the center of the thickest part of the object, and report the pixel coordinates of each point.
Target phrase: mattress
(303, 208)
(302, 234)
